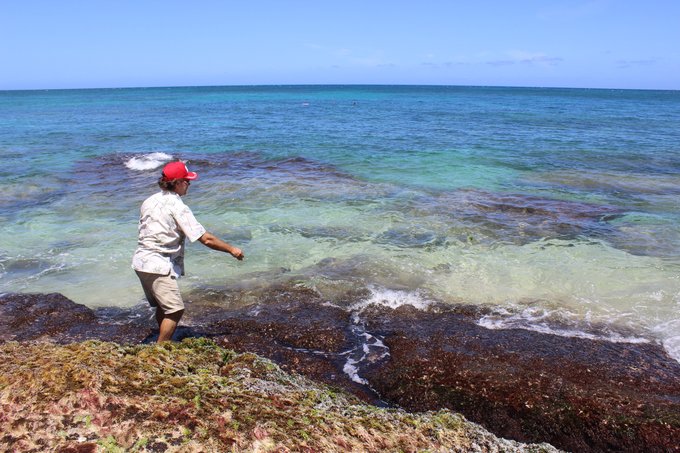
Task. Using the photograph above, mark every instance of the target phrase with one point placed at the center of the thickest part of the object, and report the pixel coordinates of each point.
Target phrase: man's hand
(237, 253)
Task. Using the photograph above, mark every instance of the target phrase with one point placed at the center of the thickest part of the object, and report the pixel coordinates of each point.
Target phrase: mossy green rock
(196, 396)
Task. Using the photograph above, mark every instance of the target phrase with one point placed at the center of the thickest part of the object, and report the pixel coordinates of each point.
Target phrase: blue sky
(121, 43)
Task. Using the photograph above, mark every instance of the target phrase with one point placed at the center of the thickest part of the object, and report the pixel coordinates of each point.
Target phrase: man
(164, 223)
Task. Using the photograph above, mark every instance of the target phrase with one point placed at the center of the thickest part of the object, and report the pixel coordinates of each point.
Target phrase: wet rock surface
(577, 394)
(55, 318)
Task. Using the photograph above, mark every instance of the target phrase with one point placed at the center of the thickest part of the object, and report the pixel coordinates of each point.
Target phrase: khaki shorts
(161, 291)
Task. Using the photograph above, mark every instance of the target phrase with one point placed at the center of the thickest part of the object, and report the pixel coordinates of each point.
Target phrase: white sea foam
(554, 322)
(392, 299)
(670, 332)
(372, 349)
(352, 371)
(672, 346)
(147, 161)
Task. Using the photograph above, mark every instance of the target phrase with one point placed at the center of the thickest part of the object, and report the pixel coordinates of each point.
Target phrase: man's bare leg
(159, 316)
(167, 324)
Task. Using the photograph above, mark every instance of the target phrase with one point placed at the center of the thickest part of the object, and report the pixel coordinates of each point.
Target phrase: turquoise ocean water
(558, 209)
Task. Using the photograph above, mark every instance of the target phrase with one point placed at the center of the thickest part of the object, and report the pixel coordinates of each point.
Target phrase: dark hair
(166, 184)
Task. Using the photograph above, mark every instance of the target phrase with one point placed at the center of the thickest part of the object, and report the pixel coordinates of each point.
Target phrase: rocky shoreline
(576, 394)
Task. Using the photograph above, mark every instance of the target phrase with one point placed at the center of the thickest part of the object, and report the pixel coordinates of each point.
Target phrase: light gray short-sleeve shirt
(164, 222)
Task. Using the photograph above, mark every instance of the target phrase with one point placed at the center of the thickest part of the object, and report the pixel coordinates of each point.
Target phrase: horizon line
(333, 85)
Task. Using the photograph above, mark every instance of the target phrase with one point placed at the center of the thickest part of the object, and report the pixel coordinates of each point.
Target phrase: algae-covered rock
(196, 396)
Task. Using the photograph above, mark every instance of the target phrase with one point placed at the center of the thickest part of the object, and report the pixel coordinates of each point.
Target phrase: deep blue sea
(556, 208)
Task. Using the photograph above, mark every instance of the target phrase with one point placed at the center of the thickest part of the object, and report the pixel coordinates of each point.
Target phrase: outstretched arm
(215, 243)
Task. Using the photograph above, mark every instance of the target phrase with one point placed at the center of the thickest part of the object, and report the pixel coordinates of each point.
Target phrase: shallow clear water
(557, 208)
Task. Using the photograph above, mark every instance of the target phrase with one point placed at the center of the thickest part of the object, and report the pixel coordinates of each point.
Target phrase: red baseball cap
(178, 170)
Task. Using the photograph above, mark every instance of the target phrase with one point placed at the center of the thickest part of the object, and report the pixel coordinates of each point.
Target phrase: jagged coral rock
(196, 396)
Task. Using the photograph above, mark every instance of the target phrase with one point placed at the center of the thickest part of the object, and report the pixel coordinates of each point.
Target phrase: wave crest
(147, 161)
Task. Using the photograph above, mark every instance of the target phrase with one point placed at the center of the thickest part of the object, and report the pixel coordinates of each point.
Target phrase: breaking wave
(145, 162)
(392, 299)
